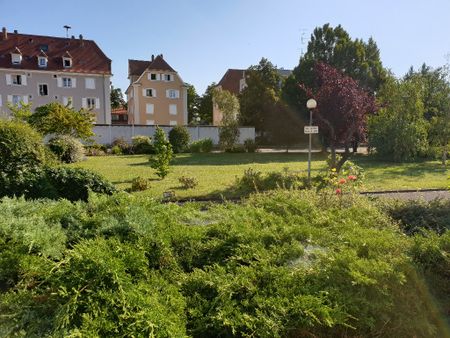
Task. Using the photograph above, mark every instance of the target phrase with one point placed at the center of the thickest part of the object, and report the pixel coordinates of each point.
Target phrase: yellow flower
(333, 169)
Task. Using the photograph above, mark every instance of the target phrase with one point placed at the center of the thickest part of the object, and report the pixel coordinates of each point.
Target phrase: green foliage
(179, 138)
(67, 148)
(399, 130)
(205, 108)
(95, 149)
(163, 153)
(142, 144)
(188, 182)
(201, 146)
(122, 146)
(280, 264)
(250, 145)
(20, 112)
(228, 105)
(140, 184)
(117, 100)
(57, 119)
(193, 102)
(116, 150)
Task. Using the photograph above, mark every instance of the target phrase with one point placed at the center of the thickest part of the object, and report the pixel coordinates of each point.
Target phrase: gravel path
(427, 195)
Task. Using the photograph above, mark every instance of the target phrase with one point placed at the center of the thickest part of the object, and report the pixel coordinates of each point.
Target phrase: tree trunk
(444, 155)
(333, 156)
(345, 157)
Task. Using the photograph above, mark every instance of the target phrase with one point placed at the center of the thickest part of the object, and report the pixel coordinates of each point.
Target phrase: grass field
(216, 172)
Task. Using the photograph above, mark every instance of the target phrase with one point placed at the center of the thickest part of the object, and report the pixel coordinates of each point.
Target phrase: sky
(201, 39)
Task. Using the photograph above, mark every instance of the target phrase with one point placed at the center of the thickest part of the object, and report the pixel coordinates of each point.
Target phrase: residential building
(41, 69)
(234, 81)
(156, 95)
(119, 116)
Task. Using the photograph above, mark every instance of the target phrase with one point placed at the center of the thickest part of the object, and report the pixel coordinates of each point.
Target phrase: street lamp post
(310, 104)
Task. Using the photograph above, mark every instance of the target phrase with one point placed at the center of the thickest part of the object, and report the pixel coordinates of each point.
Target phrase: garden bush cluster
(282, 264)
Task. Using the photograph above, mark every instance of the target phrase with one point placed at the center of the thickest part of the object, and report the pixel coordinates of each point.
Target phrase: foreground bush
(67, 148)
(142, 144)
(282, 264)
(201, 146)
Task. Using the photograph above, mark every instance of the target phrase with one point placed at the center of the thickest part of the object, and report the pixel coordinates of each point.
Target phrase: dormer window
(16, 59)
(42, 61)
(67, 62)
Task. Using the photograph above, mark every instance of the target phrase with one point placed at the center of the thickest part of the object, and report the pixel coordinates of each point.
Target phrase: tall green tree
(117, 100)
(334, 46)
(399, 130)
(193, 102)
(160, 161)
(228, 104)
(258, 101)
(205, 108)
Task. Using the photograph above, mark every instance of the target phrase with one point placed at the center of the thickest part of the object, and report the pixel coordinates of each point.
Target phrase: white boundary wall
(106, 134)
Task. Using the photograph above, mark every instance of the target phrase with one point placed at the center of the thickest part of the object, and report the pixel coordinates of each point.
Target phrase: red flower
(338, 191)
(342, 181)
(352, 177)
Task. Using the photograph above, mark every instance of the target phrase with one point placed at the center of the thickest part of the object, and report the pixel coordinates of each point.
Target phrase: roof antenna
(67, 30)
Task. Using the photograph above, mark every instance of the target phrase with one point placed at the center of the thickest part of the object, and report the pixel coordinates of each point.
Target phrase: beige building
(157, 95)
(42, 69)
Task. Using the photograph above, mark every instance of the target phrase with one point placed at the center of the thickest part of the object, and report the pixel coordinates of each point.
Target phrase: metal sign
(311, 129)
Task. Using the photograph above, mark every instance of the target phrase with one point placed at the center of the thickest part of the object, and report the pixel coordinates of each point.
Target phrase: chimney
(81, 40)
(153, 57)
(162, 57)
(72, 37)
(15, 31)
(4, 34)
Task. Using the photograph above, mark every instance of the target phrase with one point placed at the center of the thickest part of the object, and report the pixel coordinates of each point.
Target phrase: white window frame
(91, 102)
(17, 102)
(64, 62)
(44, 64)
(67, 82)
(173, 109)
(149, 108)
(173, 123)
(152, 91)
(16, 59)
(150, 122)
(168, 77)
(16, 77)
(173, 93)
(157, 77)
(89, 83)
(39, 88)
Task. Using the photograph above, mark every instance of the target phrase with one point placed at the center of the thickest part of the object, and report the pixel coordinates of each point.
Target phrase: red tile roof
(119, 111)
(137, 67)
(231, 80)
(87, 57)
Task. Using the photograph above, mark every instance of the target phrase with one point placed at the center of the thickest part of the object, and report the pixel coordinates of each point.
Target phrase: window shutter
(74, 82)
(154, 92)
(177, 94)
(0, 100)
(24, 80)
(59, 81)
(65, 101)
(168, 93)
(25, 99)
(144, 92)
(8, 79)
(84, 103)
(10, 98)
(158, 77)
(97, 103)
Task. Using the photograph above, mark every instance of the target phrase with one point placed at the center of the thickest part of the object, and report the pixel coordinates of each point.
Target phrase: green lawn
(216, 172)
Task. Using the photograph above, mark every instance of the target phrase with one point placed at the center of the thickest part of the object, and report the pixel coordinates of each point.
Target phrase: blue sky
(201, 39)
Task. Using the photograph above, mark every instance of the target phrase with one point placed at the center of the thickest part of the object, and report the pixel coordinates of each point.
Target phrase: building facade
(42, 69)
(156, 95)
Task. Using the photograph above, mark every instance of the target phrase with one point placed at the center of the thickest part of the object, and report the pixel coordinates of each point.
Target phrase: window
(173, 93)
(150, 122)
(153, 76)
(44, 48)
(168, 77)
(90, 83)
(16, 59)
(114, 117)
(67, 82)
(42, 61)
(17, 80)
(150, 108)
(67, 62)
(173, 109)
(90, 102)
(150, 92)
(43, 89)
(16, 99)
(68, 101)
(173, 123)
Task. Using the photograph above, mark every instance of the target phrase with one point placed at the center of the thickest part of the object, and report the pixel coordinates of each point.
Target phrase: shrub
(188, 182)
(250, 145)
(179, 138)
(229, 135)
(74, 184)
(163, 154)
(201, 146)
(142, 144)
(21, 149)
(122, 144)
(95, 150)
(116, 150)
(140, 184)
(237, 148)
(67, 148)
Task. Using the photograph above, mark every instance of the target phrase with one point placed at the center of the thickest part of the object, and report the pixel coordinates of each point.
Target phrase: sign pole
(309, 149)
(310, 104)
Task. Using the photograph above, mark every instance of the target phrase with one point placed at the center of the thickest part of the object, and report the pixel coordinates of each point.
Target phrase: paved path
(427, 195)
